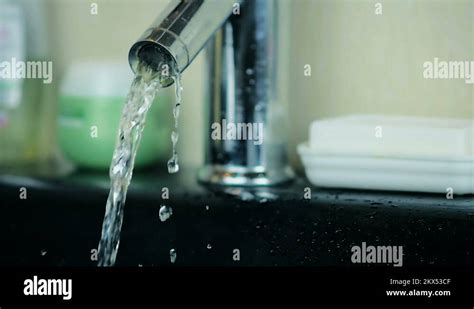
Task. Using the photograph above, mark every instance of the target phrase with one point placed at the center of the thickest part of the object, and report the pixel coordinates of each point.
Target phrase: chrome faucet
(241, 39)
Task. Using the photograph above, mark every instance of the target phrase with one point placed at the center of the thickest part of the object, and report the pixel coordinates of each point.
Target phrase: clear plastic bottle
(23, 38)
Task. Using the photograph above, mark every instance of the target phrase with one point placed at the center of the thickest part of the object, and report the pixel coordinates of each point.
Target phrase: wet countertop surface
(60, 220)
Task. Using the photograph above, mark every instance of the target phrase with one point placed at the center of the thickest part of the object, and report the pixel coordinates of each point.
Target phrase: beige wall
(361, 62)
(367, 63)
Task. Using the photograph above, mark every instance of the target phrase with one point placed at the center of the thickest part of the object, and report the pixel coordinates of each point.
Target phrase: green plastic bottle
(90, 106)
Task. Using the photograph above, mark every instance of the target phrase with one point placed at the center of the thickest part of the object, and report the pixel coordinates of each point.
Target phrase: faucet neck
(242, 68)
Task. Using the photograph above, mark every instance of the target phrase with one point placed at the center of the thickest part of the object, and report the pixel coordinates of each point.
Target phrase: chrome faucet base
(220, 175)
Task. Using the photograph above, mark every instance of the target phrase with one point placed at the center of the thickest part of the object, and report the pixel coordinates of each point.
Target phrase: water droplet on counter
(240, 194)
(173, 255)
(246, 196)
(265, 196)
(165, 212)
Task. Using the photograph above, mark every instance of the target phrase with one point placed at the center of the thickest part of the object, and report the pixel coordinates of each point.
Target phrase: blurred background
(360, 62)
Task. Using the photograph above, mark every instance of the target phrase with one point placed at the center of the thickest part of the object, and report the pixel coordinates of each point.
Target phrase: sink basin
(59, 223)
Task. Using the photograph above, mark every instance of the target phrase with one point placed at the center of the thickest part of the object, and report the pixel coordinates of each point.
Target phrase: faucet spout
(246, 132)
(180, 32)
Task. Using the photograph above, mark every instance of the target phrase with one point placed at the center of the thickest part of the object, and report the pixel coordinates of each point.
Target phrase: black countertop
(60, 221)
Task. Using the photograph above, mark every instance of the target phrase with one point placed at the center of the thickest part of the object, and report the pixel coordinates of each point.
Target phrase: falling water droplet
(174, 137)
(173, 166)
(173, 255)
(43, 252)
(209, 246)
(207, 207)
(165, 213)
(176, 112)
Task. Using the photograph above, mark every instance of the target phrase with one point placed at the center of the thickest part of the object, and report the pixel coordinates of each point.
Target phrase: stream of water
(144, 88)
(173, 165)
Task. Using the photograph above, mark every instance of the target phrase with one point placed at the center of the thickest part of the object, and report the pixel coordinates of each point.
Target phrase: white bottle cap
(97, 79)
